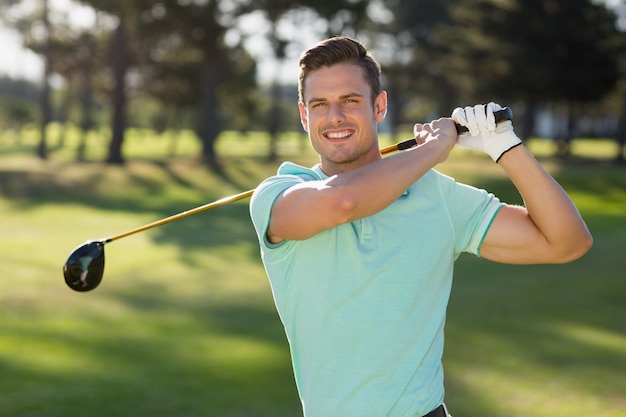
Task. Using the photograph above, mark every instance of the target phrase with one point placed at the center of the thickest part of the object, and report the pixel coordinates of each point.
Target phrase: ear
(304, 118)
(380, 107)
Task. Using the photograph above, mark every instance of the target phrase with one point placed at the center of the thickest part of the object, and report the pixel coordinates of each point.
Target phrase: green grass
(183, 323)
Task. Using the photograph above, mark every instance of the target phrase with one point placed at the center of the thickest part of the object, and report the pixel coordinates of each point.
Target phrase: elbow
(345, 205)
(585, 245)
(577, 248)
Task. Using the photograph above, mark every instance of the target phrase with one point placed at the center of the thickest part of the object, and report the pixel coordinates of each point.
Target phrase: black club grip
(499, 115)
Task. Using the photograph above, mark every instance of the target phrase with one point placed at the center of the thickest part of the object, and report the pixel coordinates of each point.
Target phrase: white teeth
(338, 135)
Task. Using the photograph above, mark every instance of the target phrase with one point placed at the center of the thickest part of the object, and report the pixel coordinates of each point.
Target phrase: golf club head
(84, 267)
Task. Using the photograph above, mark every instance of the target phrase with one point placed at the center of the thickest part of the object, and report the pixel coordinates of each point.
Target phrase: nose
(335, 114)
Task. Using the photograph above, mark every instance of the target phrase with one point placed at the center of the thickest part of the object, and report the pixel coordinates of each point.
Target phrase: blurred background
(116, 113)
(210, 66)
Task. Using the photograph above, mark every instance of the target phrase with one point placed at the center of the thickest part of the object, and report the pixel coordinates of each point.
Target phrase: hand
(484, 135)
(442, 131)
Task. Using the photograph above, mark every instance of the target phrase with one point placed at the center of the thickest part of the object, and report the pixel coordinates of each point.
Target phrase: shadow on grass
(201, 362)
(556, 328)
(176, 357)
(114, 188)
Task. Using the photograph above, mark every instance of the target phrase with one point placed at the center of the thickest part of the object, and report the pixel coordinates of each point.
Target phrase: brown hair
(339, 50)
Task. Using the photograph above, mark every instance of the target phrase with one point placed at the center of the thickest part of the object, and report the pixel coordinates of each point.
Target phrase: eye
(318, 104)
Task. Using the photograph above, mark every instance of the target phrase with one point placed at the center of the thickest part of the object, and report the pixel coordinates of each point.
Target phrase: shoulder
(266, 193)
(288, 175)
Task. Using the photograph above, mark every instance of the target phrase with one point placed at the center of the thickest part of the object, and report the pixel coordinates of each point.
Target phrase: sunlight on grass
(184, 324)
(594, 336)
(513, 380)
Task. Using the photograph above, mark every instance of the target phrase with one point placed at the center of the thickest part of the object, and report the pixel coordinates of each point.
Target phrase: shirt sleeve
(262, 201)
(472, 211)
(268, 191)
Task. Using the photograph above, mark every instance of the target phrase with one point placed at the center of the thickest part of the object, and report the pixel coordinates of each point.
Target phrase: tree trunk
(621, 139)
(621, 128)
(86, 67)
(527, 124)
(120, 67)
(46, 112)
(564, 142)
(274, 122)
(207, 124)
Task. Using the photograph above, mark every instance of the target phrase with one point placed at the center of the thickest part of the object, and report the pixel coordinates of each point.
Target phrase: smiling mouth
(339, 134)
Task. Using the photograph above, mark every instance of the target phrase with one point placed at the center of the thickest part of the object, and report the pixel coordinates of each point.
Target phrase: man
(360, 249)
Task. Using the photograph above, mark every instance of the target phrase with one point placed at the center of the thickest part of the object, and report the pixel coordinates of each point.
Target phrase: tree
(73, 53)
(411, 53)
(18, 104)
(46, 110)
(87, 58)
(35, 27)
(274, 10)
(191, 63)
(15, 113)
(67, 51)
(120, 64)
(619, 8)
(559, 51)
(176, 50)
(340, 16)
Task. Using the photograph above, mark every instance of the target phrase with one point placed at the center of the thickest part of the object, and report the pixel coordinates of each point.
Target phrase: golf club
(84, 268)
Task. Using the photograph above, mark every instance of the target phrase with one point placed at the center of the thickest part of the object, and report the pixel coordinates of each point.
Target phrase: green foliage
(15, 113)
(22, 89)
(187, 66)
(546, 51)
(18, 104)
(183, 323)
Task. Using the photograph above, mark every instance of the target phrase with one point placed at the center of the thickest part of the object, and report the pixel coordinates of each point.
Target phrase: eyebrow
(341, 97)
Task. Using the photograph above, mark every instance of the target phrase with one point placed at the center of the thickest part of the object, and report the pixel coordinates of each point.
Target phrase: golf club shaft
(500, 115)
(215, 204)
(205, 207)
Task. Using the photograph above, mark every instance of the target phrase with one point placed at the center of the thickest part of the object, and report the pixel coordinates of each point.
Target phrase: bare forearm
(373, 187)
(350, 195)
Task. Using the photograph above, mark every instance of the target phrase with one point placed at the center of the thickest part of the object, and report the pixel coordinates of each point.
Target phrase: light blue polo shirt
(364, 304)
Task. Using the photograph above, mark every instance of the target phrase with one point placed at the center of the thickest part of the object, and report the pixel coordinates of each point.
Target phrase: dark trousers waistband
(437, 412)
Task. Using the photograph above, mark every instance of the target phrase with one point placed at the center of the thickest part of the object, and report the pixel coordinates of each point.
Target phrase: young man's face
(340, 118)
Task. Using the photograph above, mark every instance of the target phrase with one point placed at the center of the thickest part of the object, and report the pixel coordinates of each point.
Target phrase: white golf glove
(484, 135)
